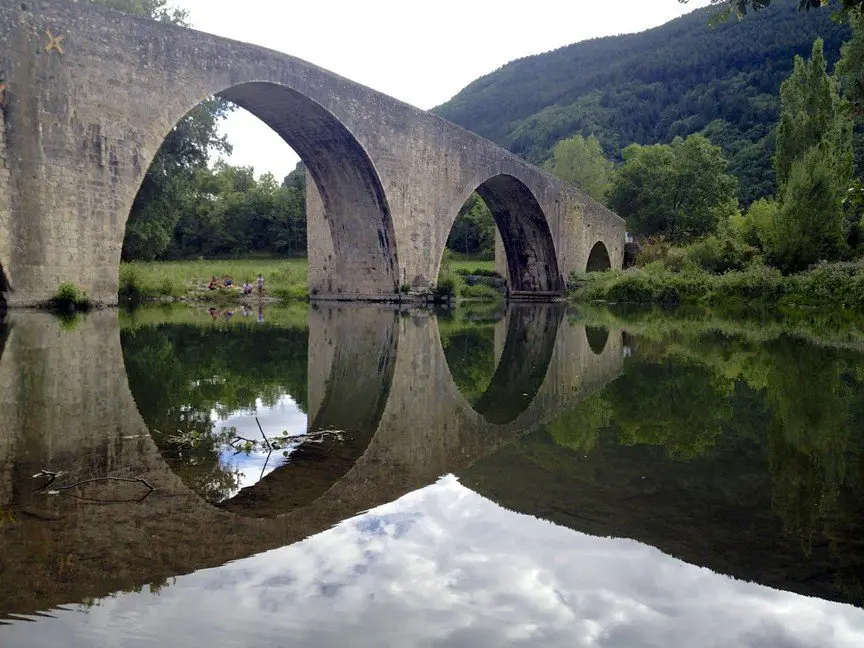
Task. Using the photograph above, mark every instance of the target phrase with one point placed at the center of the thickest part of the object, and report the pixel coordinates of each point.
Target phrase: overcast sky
(419, 51)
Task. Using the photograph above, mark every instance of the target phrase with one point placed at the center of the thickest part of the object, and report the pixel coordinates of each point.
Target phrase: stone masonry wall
(5, 204)
(86, 114)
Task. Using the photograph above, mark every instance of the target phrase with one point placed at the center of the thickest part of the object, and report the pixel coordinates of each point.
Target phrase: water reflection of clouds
(444, 566)
(283, 416)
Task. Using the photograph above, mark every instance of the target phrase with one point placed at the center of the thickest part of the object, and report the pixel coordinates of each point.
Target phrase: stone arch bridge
(88, 95)
(377, 374)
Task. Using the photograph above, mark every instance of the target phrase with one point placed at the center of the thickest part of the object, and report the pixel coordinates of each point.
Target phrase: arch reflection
(377, 376)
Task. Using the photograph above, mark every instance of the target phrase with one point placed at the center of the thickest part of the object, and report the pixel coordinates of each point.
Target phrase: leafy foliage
(581, 162)
(70, 298)
(808, 226)
(153, 9)
(680, 190)
(813, 114)
(473, 231)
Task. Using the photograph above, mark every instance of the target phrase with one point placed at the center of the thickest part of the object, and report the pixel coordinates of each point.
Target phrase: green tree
(473, 231)
(808, 227)
(680, 190)
(168, 187)
(850, 67)
(581, 162)
(814, 167)
(153, 9)
(742, 6)
(812, 113)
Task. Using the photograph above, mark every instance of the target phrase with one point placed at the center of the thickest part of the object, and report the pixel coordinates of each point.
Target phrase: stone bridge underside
(83, 117)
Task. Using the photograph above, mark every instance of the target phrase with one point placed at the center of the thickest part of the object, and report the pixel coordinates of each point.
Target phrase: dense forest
(675, 80)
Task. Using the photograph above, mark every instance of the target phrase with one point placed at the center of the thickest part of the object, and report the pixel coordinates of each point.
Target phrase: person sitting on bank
(214, 283)
(247, 288)
(228, 281)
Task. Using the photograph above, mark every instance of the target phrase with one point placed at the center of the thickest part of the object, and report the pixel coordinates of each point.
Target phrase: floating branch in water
(61, 490)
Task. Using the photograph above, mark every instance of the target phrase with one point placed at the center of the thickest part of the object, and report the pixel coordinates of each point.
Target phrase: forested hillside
(678, 79)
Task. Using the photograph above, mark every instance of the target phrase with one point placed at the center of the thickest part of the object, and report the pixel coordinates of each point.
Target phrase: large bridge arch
(364, 258)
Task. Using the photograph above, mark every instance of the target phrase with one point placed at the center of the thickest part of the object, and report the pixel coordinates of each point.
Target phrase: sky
(419, 51)
(444, 566)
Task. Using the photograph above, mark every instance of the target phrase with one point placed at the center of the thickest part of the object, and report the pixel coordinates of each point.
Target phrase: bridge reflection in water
(376, 374)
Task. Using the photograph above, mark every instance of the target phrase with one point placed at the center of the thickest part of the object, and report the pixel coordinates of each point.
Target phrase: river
(365, 476)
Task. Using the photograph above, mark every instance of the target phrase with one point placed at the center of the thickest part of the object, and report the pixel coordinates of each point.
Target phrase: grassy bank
(828, 285)
(285, 279)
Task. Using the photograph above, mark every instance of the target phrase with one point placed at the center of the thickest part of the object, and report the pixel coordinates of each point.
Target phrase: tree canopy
(741, 7)
(680, 190)
(581, 162)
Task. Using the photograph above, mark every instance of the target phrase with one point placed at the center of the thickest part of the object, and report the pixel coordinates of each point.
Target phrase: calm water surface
(358, 476)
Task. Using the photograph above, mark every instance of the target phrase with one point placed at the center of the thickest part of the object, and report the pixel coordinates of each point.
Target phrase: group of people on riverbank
(228, 283)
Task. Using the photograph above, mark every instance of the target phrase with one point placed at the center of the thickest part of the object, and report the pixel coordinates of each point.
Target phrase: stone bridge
(88, 95)
(378, 374)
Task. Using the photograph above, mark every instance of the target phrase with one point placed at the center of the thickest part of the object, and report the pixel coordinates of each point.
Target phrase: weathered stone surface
(82, 126)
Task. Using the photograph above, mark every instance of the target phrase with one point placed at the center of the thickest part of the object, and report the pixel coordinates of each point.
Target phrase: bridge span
(87, 96)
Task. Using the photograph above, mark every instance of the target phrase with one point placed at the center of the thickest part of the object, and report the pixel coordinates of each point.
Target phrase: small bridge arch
(598, 258)
(523, 227)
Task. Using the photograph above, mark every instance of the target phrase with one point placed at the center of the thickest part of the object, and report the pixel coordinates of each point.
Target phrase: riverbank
(828, 285)
(285, 280)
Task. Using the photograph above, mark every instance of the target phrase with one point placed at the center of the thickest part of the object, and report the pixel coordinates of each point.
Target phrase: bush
(445, 291)
(405, 288)
(130, 287)
(719, 255)
(654, 249)
(70, 298)
(291, 293)
(481, 292)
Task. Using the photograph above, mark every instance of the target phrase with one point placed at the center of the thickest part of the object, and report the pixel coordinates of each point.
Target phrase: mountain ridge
(649, 87)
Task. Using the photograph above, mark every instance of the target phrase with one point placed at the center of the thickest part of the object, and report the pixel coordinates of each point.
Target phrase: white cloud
(444, 566)
(421, 52)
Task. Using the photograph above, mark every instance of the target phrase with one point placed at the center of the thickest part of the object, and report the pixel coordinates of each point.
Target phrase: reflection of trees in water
(179, 374)
(799, 406)
(470, 353)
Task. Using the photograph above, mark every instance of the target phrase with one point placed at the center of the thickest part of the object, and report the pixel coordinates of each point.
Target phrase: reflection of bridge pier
(66, 406)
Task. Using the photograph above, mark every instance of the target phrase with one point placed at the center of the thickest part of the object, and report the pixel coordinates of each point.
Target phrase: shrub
(405, 288)
(70, 298)
(166, 287)
(291, 293)
(719, 255)
(654, 249)
(129, 282)
(445, 290)
(481, 292)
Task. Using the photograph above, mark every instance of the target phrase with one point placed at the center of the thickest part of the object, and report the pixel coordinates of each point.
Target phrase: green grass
(468, 265)
(827, 285)
(284, 278)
